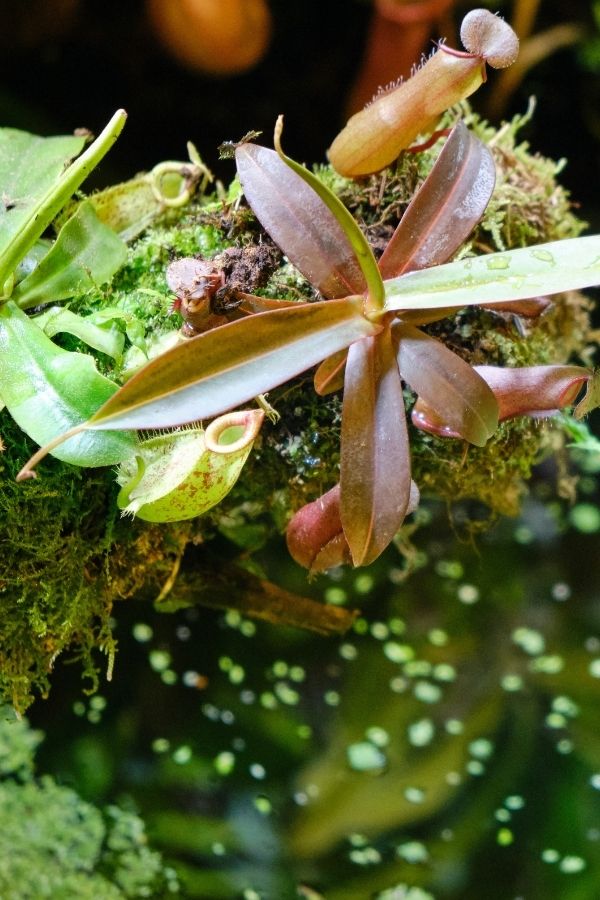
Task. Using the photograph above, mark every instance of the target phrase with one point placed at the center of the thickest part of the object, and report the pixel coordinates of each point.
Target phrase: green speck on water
(505, 837)
(585, 517)
(365, 757)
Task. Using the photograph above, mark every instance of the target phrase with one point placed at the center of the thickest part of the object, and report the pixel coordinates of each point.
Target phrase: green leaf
(51, 193)
(447, 384)
(358, 241)
(567, 265)
(57, 320)
(220, 369)
(86, 254)
(29, 167)
(48, 391)
(134, 327)
(375, 457)
(445, 209)
(581, 436)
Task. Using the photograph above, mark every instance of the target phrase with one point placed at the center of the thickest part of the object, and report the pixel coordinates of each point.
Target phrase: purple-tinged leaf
(357, 240)
(299, 222)
(529, 309)
(329, 376)
(447, 384)
(216, 371)
(251, 304)
(375, 457)
(527, 390)
(445, 209)
(314, 535)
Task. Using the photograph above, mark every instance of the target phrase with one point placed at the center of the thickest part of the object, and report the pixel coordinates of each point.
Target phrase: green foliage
(67, 556)
(83, 254)
(44, 387)
(498, 277)
(39, 178)
(54, 844)
(48, 390)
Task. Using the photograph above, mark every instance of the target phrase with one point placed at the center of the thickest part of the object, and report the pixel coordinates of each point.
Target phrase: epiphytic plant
(375, 136)
(44, 387)
(369, 323)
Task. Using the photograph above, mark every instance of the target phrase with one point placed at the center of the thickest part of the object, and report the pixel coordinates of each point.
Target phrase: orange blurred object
(219, 37)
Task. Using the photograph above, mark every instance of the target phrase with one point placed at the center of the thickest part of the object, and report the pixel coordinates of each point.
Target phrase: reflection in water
(447, 747)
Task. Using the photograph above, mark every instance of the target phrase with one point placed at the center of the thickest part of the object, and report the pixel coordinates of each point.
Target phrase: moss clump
(63, 566)
(67, 556)
(54, 844)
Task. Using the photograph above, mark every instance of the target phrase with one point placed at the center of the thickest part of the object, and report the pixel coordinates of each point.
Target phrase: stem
(270, 411)
(27, 470)
(59, 193)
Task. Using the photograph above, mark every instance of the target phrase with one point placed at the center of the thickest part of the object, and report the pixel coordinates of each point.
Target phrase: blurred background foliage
(448, 747)
(451, 735)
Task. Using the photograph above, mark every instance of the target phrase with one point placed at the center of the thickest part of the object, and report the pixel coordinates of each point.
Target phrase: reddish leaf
(299, 222)
(329, 376)
(446, 208)
(375, 457)
(529, 309)
(220, 369)
(314, 535)
(447, 384)
(251, 304)
(534, 390)
(530, 390)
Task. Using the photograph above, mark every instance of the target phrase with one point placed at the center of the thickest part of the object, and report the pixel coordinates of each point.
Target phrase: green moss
(64, 563)
(67, 556)
(54, 844)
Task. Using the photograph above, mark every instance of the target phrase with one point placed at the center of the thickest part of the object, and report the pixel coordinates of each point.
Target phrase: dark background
(69, 63)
